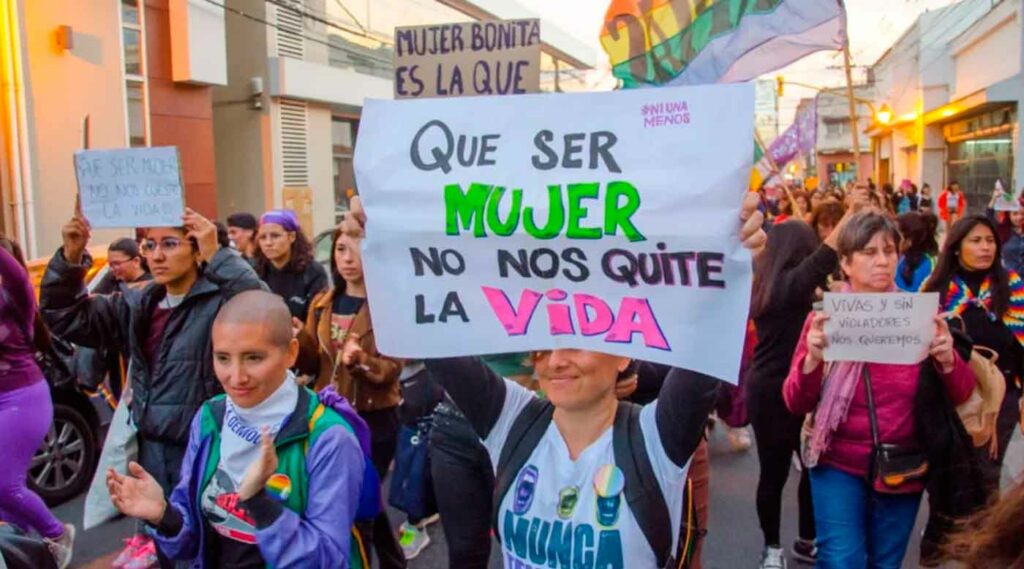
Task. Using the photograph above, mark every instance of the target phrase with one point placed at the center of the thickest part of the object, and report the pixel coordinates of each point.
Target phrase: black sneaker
(805, 552)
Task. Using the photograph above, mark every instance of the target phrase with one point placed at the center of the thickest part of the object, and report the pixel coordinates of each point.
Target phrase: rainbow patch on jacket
(959, 297)
(279, 486)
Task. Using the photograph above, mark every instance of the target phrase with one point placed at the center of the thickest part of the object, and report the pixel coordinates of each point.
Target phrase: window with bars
(290, 42)
(293, 125)
(133, 41)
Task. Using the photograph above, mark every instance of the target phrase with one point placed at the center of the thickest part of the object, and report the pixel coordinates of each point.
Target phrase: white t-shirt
(553, 509)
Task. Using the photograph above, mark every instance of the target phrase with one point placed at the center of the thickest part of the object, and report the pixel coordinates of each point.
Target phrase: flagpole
(853, 109)
(777, 172)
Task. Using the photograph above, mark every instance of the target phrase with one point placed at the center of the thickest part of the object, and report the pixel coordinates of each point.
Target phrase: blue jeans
(858, 527)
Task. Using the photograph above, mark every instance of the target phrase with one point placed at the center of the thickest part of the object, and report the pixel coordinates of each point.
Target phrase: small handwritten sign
(498, 57)
(130, 187)
(885, 328)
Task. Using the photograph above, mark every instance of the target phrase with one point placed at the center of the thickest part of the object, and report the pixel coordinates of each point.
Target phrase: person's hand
(941, 348)
(354, 224)
(203, 231)
(752, 233)
(625, 387)
(297, 327)
(76, 233)
(137, 495)
(352, 353)
(816, 342)
(260, 471)
(858, 199)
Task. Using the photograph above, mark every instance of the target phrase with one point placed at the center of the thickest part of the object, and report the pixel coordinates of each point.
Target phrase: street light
(884, 114)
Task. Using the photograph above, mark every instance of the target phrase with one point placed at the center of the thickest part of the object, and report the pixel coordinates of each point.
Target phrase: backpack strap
(643, 495)
(527, 430)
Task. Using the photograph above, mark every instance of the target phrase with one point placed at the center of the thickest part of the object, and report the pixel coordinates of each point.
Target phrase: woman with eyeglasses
(866, 500)
(284, 260)
(165, 328)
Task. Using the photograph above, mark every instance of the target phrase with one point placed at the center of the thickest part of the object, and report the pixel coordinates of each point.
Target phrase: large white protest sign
(601, 221)
(884, 328)
(130, 187)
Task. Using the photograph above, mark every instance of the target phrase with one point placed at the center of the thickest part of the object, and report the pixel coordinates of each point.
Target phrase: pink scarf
(841, 381)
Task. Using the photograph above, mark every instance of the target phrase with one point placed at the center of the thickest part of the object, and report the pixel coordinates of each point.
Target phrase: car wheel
(63, 466)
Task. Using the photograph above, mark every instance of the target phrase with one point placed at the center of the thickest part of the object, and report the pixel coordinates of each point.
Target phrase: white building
(287, 122)
(835, 159)
(954, 84)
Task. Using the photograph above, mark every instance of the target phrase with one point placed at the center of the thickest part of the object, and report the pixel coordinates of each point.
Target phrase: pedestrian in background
(919, 249)
(26, 410)
(284, 260)
(338, 347)
(952, 204)
(242, 232)
(863, 512)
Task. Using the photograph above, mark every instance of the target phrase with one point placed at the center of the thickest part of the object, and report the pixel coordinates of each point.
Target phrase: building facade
(835, 159)
(133, 67)
(954, 83)
(287, 121)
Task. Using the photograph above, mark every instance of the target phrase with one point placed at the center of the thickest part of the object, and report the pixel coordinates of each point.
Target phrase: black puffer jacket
(167, 396)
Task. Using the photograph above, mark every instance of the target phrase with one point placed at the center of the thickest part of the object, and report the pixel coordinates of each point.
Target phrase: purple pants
(25, 417)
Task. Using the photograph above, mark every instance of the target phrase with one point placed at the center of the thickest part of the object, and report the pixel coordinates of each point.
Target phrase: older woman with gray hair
(872, 448)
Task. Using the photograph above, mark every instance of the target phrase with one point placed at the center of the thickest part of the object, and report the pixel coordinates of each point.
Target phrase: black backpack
(643, 495)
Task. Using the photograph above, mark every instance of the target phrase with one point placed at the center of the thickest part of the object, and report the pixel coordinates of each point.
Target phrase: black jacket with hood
(167, 394)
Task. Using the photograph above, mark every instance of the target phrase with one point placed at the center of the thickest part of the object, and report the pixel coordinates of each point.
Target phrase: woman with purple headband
(284, 260)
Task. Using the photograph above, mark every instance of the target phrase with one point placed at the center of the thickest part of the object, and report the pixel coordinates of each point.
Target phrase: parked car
(63, 466)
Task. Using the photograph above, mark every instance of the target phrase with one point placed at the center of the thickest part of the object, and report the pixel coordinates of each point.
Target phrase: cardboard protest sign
(472, 58)
(1006, 198)
(883, 328)
(130, 187)
(601, 221)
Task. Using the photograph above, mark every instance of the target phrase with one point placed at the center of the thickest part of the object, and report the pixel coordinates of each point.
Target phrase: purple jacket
(318, 538)
(17, 317)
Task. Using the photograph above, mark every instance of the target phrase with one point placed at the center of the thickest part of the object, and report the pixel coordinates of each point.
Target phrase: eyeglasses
(168, 245)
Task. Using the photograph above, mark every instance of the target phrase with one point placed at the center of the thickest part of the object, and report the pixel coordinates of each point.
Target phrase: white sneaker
(773, 558)
(63, 547)
(428, 521)
(413, 540)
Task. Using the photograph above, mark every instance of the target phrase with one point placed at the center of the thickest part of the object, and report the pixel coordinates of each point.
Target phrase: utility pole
(853, 110)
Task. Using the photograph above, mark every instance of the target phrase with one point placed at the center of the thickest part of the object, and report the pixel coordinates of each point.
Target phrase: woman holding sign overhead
(880, 432)
(973, 284)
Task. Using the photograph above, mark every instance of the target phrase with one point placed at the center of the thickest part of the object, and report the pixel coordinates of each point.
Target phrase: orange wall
(180, 114)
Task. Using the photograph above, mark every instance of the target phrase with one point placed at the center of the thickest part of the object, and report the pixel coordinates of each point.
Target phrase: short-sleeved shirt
(343, 314)
(575, 510)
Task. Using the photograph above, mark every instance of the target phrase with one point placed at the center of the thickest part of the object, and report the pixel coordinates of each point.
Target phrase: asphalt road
(733, 542)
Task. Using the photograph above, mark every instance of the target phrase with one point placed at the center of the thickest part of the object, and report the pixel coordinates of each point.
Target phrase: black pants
(777, 433)
(463, 485)
(383, 425)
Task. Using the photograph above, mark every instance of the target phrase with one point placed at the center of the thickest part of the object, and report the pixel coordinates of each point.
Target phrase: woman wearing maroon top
(26, 410)
(860, 521)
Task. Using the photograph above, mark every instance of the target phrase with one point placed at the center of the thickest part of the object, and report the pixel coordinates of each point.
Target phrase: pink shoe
(139, 553)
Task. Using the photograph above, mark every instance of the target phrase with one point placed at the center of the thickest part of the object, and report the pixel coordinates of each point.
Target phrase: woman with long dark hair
(284, 260)
(26, 410)
(786, 276)
(919, 251)
(972, 283)
(337, 346)
(991, 539)
(864, 516)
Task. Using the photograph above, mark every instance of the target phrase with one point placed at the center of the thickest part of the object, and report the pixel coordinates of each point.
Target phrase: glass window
(343, 135)
(136, 114)
(132, 52)
(130, 11)
(976, 164)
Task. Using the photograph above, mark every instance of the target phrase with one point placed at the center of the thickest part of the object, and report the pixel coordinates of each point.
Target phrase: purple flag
(798, 138)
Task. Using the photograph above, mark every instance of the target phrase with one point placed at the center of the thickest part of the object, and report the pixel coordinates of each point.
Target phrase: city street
(734, 540)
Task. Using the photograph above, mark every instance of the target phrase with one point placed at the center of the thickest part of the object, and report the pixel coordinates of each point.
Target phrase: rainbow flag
(687, 42)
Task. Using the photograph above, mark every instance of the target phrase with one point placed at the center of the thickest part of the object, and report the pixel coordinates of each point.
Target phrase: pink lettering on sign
(593, 316)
